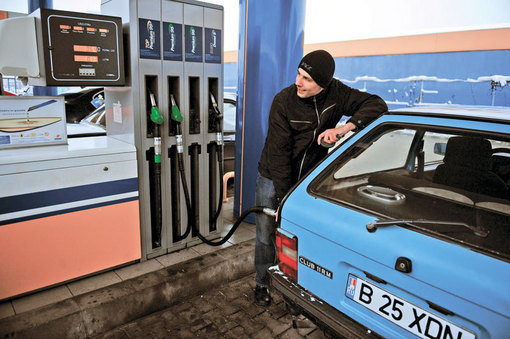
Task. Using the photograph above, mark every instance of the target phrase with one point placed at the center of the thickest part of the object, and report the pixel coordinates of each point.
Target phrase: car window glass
(375, 156)
(229, 117)
(454, 184)
(434, 146)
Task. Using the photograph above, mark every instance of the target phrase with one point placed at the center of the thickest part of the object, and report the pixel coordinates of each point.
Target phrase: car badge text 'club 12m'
(316, 267)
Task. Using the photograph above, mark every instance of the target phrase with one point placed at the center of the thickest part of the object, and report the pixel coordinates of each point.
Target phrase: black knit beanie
(320, 65)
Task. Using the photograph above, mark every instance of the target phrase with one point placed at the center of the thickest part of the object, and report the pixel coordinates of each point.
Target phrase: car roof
(471, 112)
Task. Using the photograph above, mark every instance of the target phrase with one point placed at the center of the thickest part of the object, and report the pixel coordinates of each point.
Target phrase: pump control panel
(82, 49)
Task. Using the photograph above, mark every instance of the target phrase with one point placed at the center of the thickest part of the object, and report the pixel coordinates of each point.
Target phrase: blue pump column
(271, 38)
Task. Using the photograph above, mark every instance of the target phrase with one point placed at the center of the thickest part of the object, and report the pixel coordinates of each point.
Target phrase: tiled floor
(244, 232)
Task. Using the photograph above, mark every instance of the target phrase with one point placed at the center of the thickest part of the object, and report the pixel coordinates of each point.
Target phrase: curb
(102, 310)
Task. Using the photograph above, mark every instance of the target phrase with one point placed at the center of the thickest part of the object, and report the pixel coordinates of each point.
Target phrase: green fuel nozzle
(156, 117)
(176, 113)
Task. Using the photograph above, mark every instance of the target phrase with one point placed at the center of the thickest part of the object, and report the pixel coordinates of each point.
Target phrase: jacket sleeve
(279, 143)
(362, 107)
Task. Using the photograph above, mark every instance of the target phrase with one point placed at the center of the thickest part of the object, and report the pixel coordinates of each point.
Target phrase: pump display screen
(89, 49)
(82, 49)
(85, 58)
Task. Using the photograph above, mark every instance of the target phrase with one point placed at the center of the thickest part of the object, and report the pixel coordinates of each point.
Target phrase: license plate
(410, 317)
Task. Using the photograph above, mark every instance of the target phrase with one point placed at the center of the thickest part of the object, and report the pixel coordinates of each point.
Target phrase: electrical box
(20, 57)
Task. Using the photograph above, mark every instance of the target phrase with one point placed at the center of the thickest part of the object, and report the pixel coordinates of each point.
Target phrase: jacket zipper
(314, 133)
(301, 121)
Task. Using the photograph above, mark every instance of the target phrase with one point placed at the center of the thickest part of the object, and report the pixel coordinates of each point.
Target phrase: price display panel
(82, 49)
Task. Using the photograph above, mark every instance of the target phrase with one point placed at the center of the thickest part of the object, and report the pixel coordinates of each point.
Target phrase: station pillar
(271, 38)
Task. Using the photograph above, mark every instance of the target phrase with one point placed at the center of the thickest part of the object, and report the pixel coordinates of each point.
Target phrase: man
(301, 116)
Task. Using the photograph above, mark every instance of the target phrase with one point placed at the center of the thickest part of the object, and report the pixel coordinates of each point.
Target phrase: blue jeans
(265, 246)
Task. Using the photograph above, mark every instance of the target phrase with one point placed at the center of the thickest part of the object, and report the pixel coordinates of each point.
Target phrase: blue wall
(462, 77)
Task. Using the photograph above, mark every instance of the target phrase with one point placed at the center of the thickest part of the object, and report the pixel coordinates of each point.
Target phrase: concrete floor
(55, 294)
(225, 311)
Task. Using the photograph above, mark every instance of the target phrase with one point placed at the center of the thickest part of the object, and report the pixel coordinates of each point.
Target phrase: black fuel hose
(180, 164)
(220, 200)
(236, 224)
(187, 198)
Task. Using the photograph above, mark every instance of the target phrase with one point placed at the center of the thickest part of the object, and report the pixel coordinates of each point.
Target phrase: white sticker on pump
(178, 141)
(157, 145)
(117, 112)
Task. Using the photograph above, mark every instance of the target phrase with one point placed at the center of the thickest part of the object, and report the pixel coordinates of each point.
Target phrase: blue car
(404, 229)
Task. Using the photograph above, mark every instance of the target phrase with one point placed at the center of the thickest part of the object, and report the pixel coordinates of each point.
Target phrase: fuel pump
(175, 54)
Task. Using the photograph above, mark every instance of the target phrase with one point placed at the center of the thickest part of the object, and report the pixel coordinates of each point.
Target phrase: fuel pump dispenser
(175, 57)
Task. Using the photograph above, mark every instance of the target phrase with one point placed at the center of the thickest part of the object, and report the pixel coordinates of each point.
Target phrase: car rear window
(442, 182)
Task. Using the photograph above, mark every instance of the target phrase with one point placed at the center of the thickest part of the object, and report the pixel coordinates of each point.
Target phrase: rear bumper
(315, 309)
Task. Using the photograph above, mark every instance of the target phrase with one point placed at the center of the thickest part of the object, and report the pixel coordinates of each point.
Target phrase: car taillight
(286, 248)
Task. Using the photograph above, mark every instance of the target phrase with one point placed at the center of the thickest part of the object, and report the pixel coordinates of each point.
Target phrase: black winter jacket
(291, 148)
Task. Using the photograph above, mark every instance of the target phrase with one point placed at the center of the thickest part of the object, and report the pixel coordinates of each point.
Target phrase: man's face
(306, 86)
